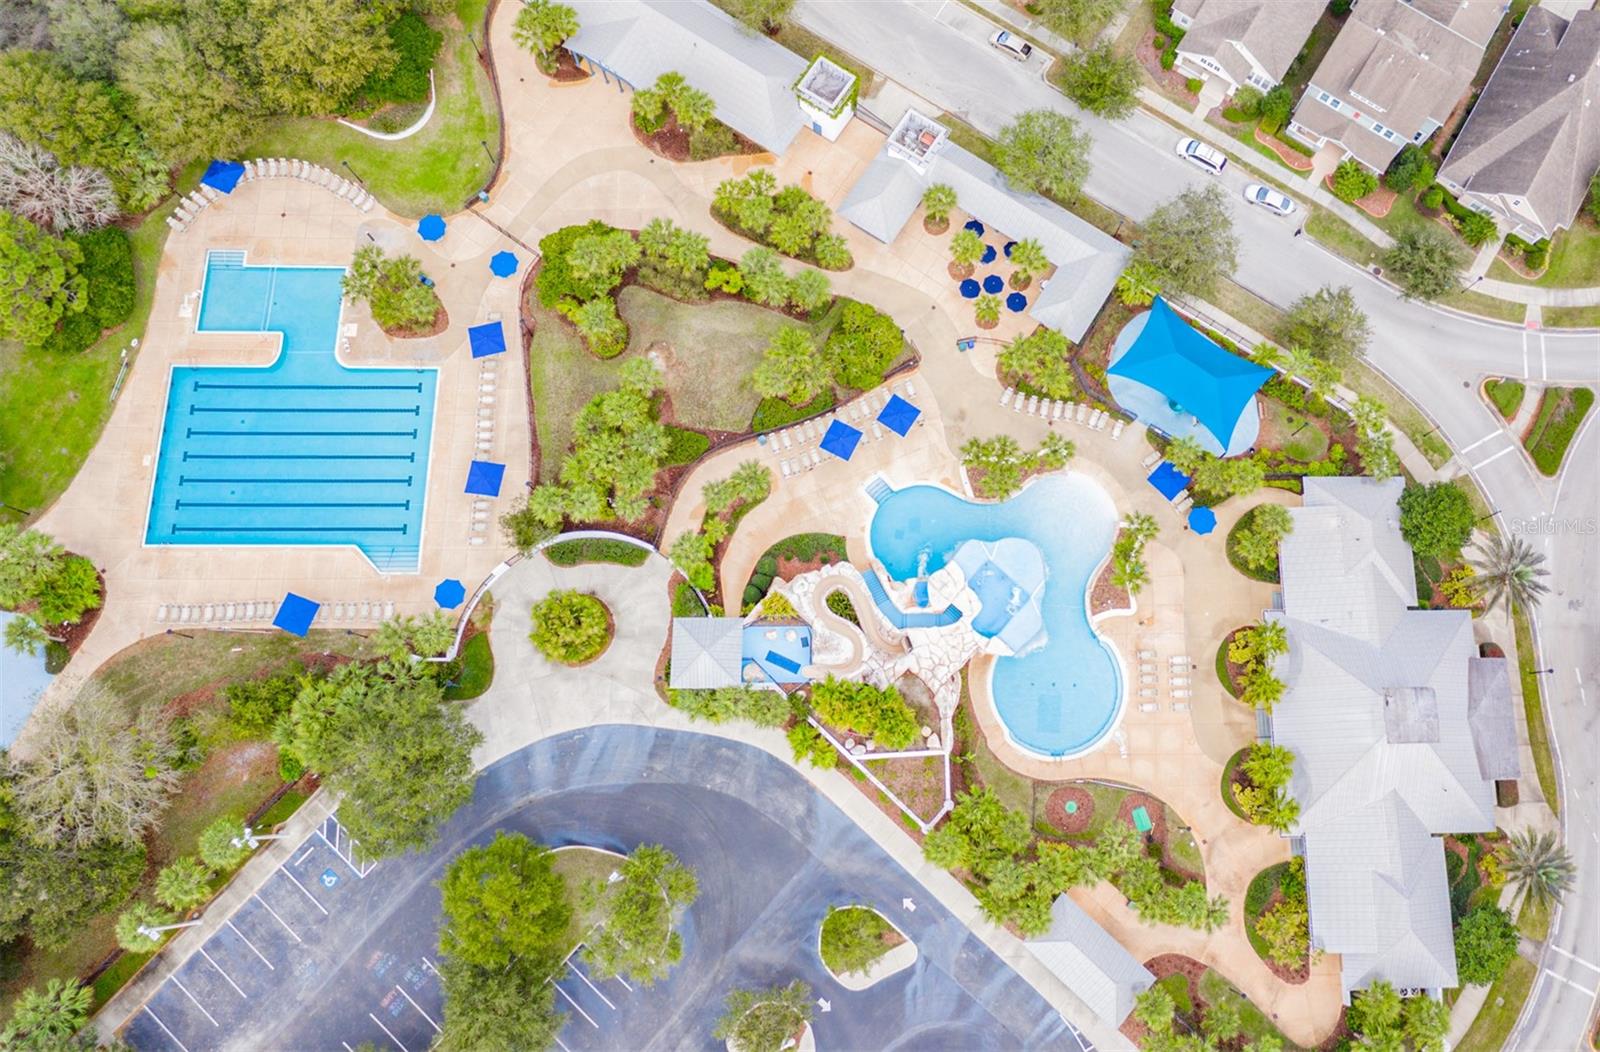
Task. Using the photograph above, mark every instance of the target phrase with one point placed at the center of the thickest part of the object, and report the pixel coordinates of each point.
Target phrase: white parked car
(1268, 198)
(1009, 43)
(1207, 158)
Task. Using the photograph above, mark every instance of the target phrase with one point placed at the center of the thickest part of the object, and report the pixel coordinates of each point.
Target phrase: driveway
(771, 855)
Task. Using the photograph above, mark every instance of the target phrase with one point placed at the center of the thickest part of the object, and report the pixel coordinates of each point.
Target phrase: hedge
(1561, 410)
(596, 550)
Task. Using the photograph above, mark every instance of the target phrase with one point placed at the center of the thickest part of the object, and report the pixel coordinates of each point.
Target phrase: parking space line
(247, 942)
(224, 974)
(196, 1000)
(280, 920)
(436, 1028)
(575, 1004)
(164, 1029)
(385, 1029)
(593, 987)
(302, 888)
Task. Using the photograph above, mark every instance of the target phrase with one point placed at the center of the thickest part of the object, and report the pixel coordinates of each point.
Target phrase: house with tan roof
(1243, 42)
(1398, 731)
(1394, 74)
(1532, 142)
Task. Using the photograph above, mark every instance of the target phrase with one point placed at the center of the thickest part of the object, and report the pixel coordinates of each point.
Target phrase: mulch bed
(1055, 809)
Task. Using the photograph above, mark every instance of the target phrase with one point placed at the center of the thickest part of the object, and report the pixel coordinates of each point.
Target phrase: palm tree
(1027, 259)
(937, 202)
(1539, 867)
(966, 248)
(541, 26)
(1509, 573)
(987, 310)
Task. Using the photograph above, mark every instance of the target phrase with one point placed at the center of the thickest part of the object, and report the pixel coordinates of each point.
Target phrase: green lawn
(1499, 1013)
(436, 170)
(1574, 259)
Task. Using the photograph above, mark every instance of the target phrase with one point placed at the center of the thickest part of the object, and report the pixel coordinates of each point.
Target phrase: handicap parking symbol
(329, 877)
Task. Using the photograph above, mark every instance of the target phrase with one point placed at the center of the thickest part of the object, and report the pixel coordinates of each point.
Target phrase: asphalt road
(938, 50)
(328, 966)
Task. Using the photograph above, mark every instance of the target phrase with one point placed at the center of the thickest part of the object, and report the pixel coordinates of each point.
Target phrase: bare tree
(99, 773)
(34, 186)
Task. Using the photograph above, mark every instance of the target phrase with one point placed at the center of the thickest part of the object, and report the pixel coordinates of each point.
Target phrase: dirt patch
(1070, 822)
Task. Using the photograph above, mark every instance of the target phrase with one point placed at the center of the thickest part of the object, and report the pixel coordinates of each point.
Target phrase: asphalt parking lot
(331, 952)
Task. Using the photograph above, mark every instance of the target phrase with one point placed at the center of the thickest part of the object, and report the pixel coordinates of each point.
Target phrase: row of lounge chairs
(1092, 417)
(195, 201)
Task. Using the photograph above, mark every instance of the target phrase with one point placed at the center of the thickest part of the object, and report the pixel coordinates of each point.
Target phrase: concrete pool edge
(277, 338)
(986, 680)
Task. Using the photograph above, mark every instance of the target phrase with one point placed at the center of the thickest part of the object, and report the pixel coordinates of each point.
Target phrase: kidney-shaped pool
(1061, 698)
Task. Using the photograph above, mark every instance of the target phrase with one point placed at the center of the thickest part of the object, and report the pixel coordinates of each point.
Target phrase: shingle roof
(1401, 63)
(1489, 713)
(707, 652)
(1535, 131)
(1270, 31)
(1379, 897)
(1090, 962)
(750, 77)
(1087, 261)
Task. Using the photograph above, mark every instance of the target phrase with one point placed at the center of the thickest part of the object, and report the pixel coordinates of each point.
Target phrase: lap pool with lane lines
(303, 452)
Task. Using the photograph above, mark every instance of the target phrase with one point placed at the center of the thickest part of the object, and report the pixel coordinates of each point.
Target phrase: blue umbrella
(449, 593)
(430, 227)
(988, 254)
(969, 289)
(1017, 303)
(503, 264)
(1202, 520)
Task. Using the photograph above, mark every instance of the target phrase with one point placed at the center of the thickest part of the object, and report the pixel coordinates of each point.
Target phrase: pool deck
(287, 221)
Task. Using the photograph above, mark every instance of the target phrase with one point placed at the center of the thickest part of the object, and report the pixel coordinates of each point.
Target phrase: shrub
(570, 627)
(417, 45)
(1352, 180)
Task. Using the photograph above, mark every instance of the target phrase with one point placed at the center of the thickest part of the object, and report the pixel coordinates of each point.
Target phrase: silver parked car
(1207, 158)
(1268, 198)
(1008, 43)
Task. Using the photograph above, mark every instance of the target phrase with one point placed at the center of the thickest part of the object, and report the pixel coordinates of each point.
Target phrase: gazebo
(1176, 380)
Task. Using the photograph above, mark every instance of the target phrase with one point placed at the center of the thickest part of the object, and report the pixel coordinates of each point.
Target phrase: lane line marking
(1479, 442)
(385, 1029)
(425, 1015)
(164, 1029)
(593, 987)
(224, 974)
(1575, 957)
(196, 1000)
(1497, 456)
(303, 891)
(575, 1004)
(247, 942)
(280, 920)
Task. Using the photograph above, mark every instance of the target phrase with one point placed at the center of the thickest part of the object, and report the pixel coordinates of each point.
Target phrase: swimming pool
(302, 452)
(1060, 698)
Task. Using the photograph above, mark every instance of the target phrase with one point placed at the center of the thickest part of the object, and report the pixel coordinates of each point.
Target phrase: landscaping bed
(1561, 411)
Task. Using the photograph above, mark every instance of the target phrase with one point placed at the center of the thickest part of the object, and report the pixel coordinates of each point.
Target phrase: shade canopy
(503, 264)
(484, 478)
(841, 440)
(295, 614)
(486, 339)
(430, 227)
(1202, 520)
(449, 593)
(1196, 375)
(223, 175)
(898, 415)
(1168, 480)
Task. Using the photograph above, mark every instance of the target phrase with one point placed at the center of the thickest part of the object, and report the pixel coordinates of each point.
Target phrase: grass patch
(54, 406)
(855, 936)
(1561, 411)
(1365, 380)
(1533, 710)
(1499, 1013)
(1506, 395)
(477, 670)
(579, 866)
(1571, 317)
(1245, 523)
(437, 169)
(773, 413)
(596, 550)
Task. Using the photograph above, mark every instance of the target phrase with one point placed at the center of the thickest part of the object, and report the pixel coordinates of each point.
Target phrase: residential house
(919, 154)
(1532, 142)
(1398, 732)
(1394, 74)
(1243, 42)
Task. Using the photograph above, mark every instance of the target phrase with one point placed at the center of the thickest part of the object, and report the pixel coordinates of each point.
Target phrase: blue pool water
(303, 452)
(1059, 698)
